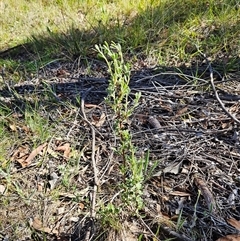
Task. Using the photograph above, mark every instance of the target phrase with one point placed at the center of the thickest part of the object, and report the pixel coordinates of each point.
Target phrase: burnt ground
(192, 184)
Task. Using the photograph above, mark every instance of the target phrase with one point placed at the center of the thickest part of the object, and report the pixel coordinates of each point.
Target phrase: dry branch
(90, 233)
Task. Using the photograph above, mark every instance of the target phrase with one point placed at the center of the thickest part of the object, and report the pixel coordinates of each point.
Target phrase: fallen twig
(217, 96)
(181, 237)
(90, 233)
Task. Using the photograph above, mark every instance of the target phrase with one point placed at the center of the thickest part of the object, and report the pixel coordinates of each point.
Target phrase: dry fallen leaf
(67, 151)
(13, 127)
(225, 125)
(231, 237)
(21, 154)
(180, 112)
(38, 225)
(17, 153)
(34, 153)
(82, 192)
(40, 186)
(61, 73)
(65, 148)
(26, 129)
(81, 206)
(2, 189)
(128, 232)
(174, 168)
(235, 223)
(60, 210)
(202, 186)
(99, 121)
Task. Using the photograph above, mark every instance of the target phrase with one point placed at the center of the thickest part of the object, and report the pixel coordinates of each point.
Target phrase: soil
(191, 193)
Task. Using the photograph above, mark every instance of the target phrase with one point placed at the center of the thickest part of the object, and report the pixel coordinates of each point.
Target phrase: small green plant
(180, 221)
(38, 125)
(108, 214)
(118, 99)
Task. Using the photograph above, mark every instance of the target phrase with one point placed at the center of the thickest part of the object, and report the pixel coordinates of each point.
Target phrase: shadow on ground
(48, 52)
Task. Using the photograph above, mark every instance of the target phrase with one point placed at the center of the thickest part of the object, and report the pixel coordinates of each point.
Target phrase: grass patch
(164, 31)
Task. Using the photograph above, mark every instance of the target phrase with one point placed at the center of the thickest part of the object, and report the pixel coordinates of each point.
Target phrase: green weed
(38, 124)
(132, 168)
(109, 215)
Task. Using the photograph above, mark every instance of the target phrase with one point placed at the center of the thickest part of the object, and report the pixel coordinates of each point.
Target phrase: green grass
(164, 30)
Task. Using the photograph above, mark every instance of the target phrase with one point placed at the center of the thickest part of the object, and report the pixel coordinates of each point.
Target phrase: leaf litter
(193, 192)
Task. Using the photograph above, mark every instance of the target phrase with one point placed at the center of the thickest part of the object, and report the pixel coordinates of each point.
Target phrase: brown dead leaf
(180, 112)
(40, 186)
(65, 148)
(235, 223)
(38, 225)
(98, 122)
(26, 129)
(13, 127)
(81, 206)
(34, 153)
(231, 237)
(61, 73)
(21, 153)
(17, 115)
(202, 186)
